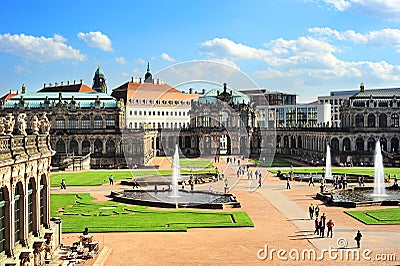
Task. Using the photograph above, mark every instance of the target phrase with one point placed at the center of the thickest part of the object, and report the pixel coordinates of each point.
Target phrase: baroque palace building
(27, 234)
(366, 117)
(86, 123)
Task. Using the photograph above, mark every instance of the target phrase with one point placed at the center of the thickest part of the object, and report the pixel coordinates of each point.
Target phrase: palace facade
(366, 117)
(27, 233)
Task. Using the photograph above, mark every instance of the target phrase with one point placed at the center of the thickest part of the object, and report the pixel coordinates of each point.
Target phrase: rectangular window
(73, 123)
(110, 123)
(98, 124)
(85, 124)
(60, 124)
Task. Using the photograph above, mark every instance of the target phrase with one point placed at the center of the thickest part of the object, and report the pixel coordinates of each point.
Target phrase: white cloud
(225, 61)
(377, 38)
(308, 59)
(383, 9)
(168, 58)
(96, 39)
(222, 47)
(38, 48)
(120, 60)
(340, 5)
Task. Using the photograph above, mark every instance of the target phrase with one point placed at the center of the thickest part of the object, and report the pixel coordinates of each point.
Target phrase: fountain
(328, 166)
(175, 173)
(362, 196)
(174, 198)
(379, 174)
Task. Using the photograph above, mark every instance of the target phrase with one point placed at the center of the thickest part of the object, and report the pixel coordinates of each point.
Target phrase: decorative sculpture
(21, 119)
(35, 124)
(2, 121)
(44, 124)
(9, 124)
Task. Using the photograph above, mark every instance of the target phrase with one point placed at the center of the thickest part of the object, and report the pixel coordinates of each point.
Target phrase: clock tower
(99, 81)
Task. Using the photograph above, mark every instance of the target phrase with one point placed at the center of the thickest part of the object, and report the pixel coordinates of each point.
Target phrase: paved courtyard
(280, 220)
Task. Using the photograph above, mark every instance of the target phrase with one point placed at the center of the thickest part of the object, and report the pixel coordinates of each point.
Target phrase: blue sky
(307, 47)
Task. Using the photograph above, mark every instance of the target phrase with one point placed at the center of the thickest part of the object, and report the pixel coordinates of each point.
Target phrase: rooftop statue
(9, 124)
(21, 119)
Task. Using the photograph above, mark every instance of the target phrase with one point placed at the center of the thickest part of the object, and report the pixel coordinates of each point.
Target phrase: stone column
(36, 209)
(10, 218)
(47, 203)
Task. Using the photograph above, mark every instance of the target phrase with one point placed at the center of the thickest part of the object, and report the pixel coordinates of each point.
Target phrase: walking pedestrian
(358, 238)
(330, 225)
(316, 211)
(288, 183)
(311, 211)
(311, 181)
(322, 225)
(63, 185)
(111, 179)
(259, 181)
(316, 223)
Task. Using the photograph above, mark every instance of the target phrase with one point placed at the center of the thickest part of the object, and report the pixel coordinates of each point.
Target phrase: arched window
(371, 120)
(299, 142)
(383, 142)
(224, 119)
(43, 201)
(371, 144)
(85, 147)
(60, 146)
(18, 210)
(31, 203)
(110, 147)
(73, 122)
(3, 222)
(359, 144)
(335, 145)
(383, 121)
(98, 122)
(346, 144)
(60, 122)
(73, 147)
(394, 120)
(85, 121)
(293, 142)
(206, 119)
(394, 144)
(286, 142)
(98, 147)
(359, 120)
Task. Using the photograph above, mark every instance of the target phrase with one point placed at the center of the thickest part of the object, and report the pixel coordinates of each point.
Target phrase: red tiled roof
(150, 91)
(68, 88)
(7, 97)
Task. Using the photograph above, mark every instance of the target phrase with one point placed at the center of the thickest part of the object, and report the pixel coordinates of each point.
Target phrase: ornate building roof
(227, 95)
(377, 93)
(81, 100)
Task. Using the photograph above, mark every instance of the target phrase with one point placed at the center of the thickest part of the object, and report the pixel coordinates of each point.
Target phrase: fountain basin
(360, 196)
(185, 199)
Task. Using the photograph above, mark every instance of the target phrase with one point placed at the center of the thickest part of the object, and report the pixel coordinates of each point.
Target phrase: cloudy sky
(307, 47)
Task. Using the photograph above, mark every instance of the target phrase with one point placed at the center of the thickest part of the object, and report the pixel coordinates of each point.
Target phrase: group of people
(320, 223)
(340, 183)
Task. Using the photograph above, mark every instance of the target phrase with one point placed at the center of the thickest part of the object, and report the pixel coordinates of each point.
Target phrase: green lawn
(277, 162)
(79, 211)
(344, 170)
(381, 216)
(195, 163)
(98, 177)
